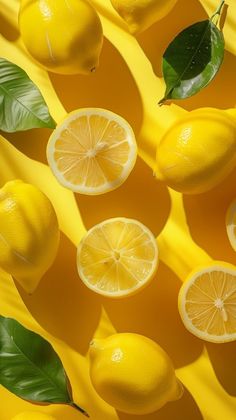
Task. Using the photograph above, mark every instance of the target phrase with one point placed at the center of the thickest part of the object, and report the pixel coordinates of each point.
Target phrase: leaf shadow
(184, 408)
(154, 312)
(222, 357)
(61, 304)
(139, 198)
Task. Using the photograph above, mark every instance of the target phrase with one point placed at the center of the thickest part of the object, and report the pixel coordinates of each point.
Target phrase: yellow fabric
(190, 229)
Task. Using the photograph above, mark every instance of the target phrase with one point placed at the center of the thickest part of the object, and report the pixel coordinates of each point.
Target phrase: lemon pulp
(207, 303)
(117, 257)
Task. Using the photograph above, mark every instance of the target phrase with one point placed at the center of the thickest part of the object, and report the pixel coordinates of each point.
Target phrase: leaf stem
(77, 407)
(218, 12)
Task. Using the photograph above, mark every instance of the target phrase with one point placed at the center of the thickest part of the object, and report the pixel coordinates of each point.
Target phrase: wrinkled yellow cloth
(190, 229)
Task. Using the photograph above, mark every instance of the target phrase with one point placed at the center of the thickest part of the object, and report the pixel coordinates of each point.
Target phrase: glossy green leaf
(30, 368)
(22, 106)
(192, 60)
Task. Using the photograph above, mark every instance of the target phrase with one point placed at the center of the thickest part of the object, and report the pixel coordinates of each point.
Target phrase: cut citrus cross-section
(117, 257)
(231, 224)
(207, 303)
(93, 151)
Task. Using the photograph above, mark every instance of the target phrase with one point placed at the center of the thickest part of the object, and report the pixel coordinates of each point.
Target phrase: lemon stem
(77, 407)
(218, 12)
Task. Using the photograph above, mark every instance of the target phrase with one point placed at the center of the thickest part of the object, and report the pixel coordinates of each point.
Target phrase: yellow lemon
(140, 14)
(207, 302)
(33, 415)
(64, 36)
(197, 152)
(132, 373)
(92, 151)
(29, 233)
(117, 257)
(231, 224)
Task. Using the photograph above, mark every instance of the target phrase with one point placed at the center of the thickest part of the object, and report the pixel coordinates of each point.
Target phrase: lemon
(29, 233)
(93, 151)
(64, 36)
(140, 14)
(132, 373)
(33, 415)
(117, 257)
(207, 302)
(197, 152)
(231, 224)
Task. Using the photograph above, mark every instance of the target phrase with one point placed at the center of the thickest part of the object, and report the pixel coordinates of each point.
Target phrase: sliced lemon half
(93, 151)
(207, 303)
(117, 257)
(231, 224)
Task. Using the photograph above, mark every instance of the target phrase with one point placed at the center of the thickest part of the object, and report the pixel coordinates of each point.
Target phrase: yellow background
(190, 229)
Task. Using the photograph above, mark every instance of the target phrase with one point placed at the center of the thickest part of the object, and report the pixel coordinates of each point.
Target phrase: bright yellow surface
(190, 229)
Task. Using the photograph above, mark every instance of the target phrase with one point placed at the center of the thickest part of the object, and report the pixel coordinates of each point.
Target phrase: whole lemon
(140, 14)
(132, 373)
(64, 36)
(29, 233)
(33, 415)
(197, 152)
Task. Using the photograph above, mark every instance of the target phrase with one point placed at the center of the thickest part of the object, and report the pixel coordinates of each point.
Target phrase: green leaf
(22, 106)
(30, 368)
(192, 60)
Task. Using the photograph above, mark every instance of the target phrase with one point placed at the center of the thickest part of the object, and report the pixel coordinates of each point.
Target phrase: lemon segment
(133, 373)
(231, 224)
(207, 303)
(93, 151)
(117, 257)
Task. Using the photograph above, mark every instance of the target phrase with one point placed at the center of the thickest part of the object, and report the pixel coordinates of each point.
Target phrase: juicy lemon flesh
(207, 304)
(33, 415)
(67, 34)
(231, 224)
(132, 373)
(198, 152)
(92, 152)
(140, 14)
(29, 233)
(117, 257)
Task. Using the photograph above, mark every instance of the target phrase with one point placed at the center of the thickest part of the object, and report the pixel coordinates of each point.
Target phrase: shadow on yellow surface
(154, 313)
(116, 91)
(185, 409)
(62, 305)
(206, 219)
(9, 31)
(141, 197)
(222, 358)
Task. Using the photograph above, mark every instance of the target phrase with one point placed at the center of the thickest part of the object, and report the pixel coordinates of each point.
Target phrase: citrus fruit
(197, 152)
(33, 415)
(67, 34)
(117, 257)
(140, 14)
(93, 151)
(29, 233)
(207, 302)
(231, 224)
(132, 373)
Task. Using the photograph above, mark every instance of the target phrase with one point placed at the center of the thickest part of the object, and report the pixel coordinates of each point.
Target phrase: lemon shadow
(8, 31)
(156, 39)
(222, 357)
(141, 197)
(153, 312)
(206, 214)
(61, 304)
(111, 87)
(185, 408)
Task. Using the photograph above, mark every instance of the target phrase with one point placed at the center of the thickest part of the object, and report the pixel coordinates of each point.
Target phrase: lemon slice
(231, 224)
(93, 151)
(117, 257)
(207, 303)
